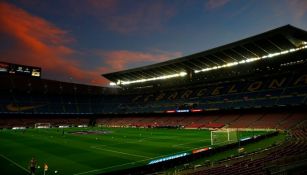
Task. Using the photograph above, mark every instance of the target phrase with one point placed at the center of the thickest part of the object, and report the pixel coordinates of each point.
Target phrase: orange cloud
(38, 42)
(213, 4)
(123, 59)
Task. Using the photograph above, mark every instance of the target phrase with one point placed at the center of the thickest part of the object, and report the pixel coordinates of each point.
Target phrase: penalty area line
(91, 171)
(15, 163)
(187, 143)
(119, 152)
(120, 165)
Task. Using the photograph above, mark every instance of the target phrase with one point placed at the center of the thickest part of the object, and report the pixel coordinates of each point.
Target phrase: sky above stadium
(78, 40)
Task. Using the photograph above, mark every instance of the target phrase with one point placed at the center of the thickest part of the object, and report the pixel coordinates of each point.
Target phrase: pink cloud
(214, 4)
(38, 42)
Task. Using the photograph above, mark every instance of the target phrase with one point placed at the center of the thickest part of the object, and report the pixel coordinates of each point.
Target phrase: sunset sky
(78, 40)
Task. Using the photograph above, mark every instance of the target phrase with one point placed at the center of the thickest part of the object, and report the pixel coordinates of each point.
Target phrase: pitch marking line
(95, 170)
(149, 158)
(15, 163)
(179, 145)
(119, 152)
(112, 166)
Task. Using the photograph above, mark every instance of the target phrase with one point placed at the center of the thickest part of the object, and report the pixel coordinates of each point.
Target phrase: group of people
(33, 165)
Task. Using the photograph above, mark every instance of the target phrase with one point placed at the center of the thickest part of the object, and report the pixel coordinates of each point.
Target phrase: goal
(42, 125)
(225, 136)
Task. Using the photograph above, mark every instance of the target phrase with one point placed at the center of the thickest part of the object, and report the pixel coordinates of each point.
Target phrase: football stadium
(235, 109)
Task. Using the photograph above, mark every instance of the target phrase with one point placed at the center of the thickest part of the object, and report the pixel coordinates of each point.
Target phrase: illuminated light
(247, 138)
(201, 150)
(112, 84)
(231, 64)
(196, 110)
(182, 110)
(182, 74)
(291, 50)
(168, 158)
(265, 56)
(248, 60)
(242, 62)
(170, 111)
(274, 54)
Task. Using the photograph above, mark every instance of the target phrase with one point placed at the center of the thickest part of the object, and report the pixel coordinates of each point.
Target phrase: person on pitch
(33, 163)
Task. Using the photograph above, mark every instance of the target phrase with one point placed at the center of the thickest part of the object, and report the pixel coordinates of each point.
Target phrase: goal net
(222, 137)
(42, 125)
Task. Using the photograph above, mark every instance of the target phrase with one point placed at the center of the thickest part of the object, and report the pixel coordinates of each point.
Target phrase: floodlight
(182, 74)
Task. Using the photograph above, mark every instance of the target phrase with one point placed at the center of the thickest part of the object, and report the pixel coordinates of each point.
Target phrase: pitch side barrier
(181, 158)
(252, 129)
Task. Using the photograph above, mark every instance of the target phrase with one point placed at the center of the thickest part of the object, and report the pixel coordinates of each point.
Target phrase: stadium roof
(275, 42)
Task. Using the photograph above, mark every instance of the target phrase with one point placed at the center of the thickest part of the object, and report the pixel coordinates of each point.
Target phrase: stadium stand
(284, 158)
(51, 100)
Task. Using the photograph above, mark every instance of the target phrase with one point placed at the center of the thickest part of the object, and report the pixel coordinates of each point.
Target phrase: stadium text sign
(200, 150)
(183, 110)
(8, 68)
(246, 138)
(168, 158)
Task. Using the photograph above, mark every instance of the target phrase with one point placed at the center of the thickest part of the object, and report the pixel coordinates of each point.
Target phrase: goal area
(42, 125)
(223, 136)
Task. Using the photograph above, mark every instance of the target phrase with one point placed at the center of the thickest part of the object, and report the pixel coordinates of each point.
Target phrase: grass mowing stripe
(115, 166)
(15, 163)
(95, 170)
(176, 145)
(119, 152)
(80, 155)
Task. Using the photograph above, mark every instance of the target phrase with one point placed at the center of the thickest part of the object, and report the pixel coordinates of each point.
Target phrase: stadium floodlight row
(281, 41)
(248, 60)
(182, 74)
(119, 82)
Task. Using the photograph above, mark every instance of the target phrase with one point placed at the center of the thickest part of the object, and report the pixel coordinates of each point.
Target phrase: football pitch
(95, 150)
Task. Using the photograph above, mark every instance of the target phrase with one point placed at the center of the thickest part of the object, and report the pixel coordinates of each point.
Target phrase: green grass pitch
(96, 153)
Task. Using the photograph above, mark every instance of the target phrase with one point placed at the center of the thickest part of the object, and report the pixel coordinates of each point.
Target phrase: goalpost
(219, 137)
(42, 125)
